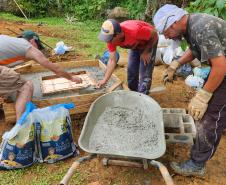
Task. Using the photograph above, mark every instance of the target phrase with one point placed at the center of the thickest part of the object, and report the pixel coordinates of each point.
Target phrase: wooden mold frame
(82, 101)
(53, 84)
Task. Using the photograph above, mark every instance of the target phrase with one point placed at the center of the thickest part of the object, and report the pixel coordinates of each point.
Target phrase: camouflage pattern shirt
(206, 36)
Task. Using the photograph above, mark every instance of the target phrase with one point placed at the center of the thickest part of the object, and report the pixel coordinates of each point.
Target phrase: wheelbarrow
(123, 124)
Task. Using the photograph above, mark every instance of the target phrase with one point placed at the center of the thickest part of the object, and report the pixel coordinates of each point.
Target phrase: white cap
(166, 16)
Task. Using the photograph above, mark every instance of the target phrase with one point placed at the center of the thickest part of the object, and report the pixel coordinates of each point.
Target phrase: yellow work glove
(198, 105)
(169, 73)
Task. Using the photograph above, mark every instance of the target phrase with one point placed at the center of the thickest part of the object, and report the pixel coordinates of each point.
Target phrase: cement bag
(54, 133)
(17, 149)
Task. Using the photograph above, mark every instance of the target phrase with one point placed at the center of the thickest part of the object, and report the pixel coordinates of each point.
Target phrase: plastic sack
(163, 41)
(158, 58)
(106, 55)
(54, 133)
(184, 70)
(17, 149)
(202, 72)
(172, 51)
(61, 48)
(168, 55)
(195, 82)
(13, 132)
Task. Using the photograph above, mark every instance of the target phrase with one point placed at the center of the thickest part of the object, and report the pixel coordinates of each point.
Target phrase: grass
(41, 174)
(81, 35)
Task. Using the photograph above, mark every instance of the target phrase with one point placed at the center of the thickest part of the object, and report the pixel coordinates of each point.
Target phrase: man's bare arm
(110, 69)
(35, 54)
(217, 73)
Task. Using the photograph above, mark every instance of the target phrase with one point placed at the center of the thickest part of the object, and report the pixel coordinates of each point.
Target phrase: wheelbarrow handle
(69, 173)
(73, 167)
(165, 174)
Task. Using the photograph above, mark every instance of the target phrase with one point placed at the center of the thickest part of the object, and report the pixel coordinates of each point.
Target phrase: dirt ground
(176, 95)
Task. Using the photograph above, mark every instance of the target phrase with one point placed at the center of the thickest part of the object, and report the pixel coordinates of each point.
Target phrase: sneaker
(188, 168)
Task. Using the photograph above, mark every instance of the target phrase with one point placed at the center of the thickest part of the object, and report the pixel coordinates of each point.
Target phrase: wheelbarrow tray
(124, 124)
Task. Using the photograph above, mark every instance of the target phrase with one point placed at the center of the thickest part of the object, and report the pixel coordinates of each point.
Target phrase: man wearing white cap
(206, 36)
(141, 38)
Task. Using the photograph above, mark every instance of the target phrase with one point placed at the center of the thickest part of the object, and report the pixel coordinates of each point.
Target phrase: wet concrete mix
(123, 131)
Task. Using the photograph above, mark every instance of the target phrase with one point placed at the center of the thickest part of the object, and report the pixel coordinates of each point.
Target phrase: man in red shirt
(141, 38)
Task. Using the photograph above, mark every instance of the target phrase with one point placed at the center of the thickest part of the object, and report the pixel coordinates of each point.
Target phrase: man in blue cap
(15, 51)
(206, 36)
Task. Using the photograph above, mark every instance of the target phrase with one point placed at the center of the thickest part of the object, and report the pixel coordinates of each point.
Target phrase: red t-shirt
(137, 35)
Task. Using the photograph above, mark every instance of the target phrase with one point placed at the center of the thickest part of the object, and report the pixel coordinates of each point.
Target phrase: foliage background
(97, 9)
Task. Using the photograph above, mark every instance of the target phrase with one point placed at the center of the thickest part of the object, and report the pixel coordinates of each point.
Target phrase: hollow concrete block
(172, 120)
(179, 138)
(174, 110)
(189, 125)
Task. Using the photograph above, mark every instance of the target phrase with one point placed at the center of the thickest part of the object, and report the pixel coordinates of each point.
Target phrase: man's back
(137, 35)
(208, 33)
(12, 50)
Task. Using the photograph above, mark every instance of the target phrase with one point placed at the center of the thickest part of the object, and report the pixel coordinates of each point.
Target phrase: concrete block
(189, 125)
(172, 120)
(174, 110)
(179, 138)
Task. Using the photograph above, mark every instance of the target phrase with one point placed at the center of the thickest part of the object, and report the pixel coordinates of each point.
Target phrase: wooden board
(53, 84)
(82, 101)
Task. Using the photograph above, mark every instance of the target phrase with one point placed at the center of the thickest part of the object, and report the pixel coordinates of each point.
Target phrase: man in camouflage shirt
(206, 36)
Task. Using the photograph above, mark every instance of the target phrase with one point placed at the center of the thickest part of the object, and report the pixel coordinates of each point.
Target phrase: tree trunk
(153, 5)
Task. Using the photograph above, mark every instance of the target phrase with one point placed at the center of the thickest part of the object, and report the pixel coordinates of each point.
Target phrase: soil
(176, 95)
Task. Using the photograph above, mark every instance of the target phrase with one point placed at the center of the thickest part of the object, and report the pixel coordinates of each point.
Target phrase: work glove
(198, 105)
(169, 73)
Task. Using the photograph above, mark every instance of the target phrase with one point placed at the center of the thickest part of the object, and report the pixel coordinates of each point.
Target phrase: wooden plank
(114, 77)
(114, 86)
(72, 64)
(55, 76)
(101, 65)
(24, 65)
(82, 103)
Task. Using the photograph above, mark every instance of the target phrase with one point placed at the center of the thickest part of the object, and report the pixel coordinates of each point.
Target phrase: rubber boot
(188, 168)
